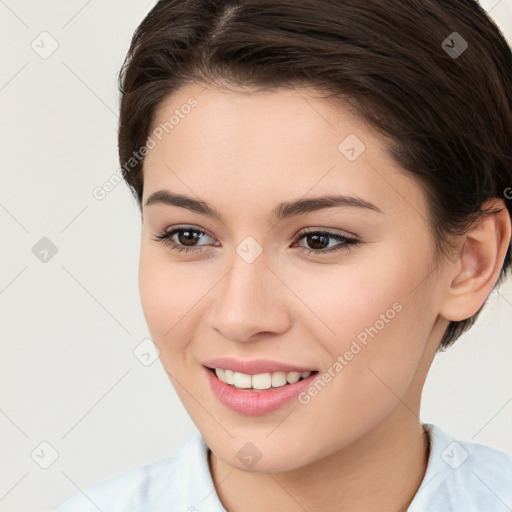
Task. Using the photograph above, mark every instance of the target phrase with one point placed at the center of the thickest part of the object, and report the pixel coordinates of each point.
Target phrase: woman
(325, 196)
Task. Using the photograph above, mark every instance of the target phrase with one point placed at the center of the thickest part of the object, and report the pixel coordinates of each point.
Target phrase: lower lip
(253, 403)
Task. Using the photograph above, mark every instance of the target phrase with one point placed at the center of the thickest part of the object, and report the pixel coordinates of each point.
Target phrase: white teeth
(278, 379)
(293, 377)
(229, 376)
(241, 380)
(261, 380)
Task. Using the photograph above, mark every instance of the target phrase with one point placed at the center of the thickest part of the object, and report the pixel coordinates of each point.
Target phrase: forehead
(285, 142)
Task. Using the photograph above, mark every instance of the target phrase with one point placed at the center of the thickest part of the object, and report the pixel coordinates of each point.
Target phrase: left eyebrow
(303, 206)
(283, 210)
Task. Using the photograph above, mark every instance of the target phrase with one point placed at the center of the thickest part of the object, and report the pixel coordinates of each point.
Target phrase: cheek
(168, 294)
(376, 317)
(346, 301)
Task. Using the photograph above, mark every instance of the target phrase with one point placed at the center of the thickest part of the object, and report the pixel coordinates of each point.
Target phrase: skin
(358, 444)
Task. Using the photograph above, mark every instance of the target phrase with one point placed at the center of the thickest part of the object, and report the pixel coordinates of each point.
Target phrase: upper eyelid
(314, 229)
(184, 227)
(330, 231)
(302, 232)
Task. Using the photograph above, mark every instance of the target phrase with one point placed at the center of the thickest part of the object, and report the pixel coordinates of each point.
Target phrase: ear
(477, 267)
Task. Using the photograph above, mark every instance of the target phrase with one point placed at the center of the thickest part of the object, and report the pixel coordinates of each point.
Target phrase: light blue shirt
(460, 477)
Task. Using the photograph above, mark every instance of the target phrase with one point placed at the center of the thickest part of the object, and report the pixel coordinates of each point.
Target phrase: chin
(255, 454)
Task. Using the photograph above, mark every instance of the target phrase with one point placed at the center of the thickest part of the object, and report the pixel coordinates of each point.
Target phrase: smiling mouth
(260, 381)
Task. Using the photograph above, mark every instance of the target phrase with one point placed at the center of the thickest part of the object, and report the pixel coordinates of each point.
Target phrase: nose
(250, 302)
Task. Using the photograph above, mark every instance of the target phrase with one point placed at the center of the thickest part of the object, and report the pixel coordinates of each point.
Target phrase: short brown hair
(446, 114)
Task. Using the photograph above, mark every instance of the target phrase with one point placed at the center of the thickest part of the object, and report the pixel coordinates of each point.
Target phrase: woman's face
(250, 286)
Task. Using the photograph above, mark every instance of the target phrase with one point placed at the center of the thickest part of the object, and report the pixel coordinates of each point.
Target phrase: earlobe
(479, 263)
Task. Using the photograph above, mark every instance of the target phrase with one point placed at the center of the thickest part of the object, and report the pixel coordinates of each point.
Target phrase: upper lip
(254, 366)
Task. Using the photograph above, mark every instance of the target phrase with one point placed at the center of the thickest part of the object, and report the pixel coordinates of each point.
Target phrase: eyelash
(348, 242)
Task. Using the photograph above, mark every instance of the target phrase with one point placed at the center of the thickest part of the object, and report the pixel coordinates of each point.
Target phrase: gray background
(70, 325)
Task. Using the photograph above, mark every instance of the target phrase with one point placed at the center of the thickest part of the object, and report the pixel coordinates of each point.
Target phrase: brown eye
(318, 241)
(183, 239)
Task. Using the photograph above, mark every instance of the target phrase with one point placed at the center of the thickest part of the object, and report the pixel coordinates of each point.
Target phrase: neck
(382, 471)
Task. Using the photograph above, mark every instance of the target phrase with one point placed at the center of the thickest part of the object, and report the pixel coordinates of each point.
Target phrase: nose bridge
(247, 302)
(248, 270)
